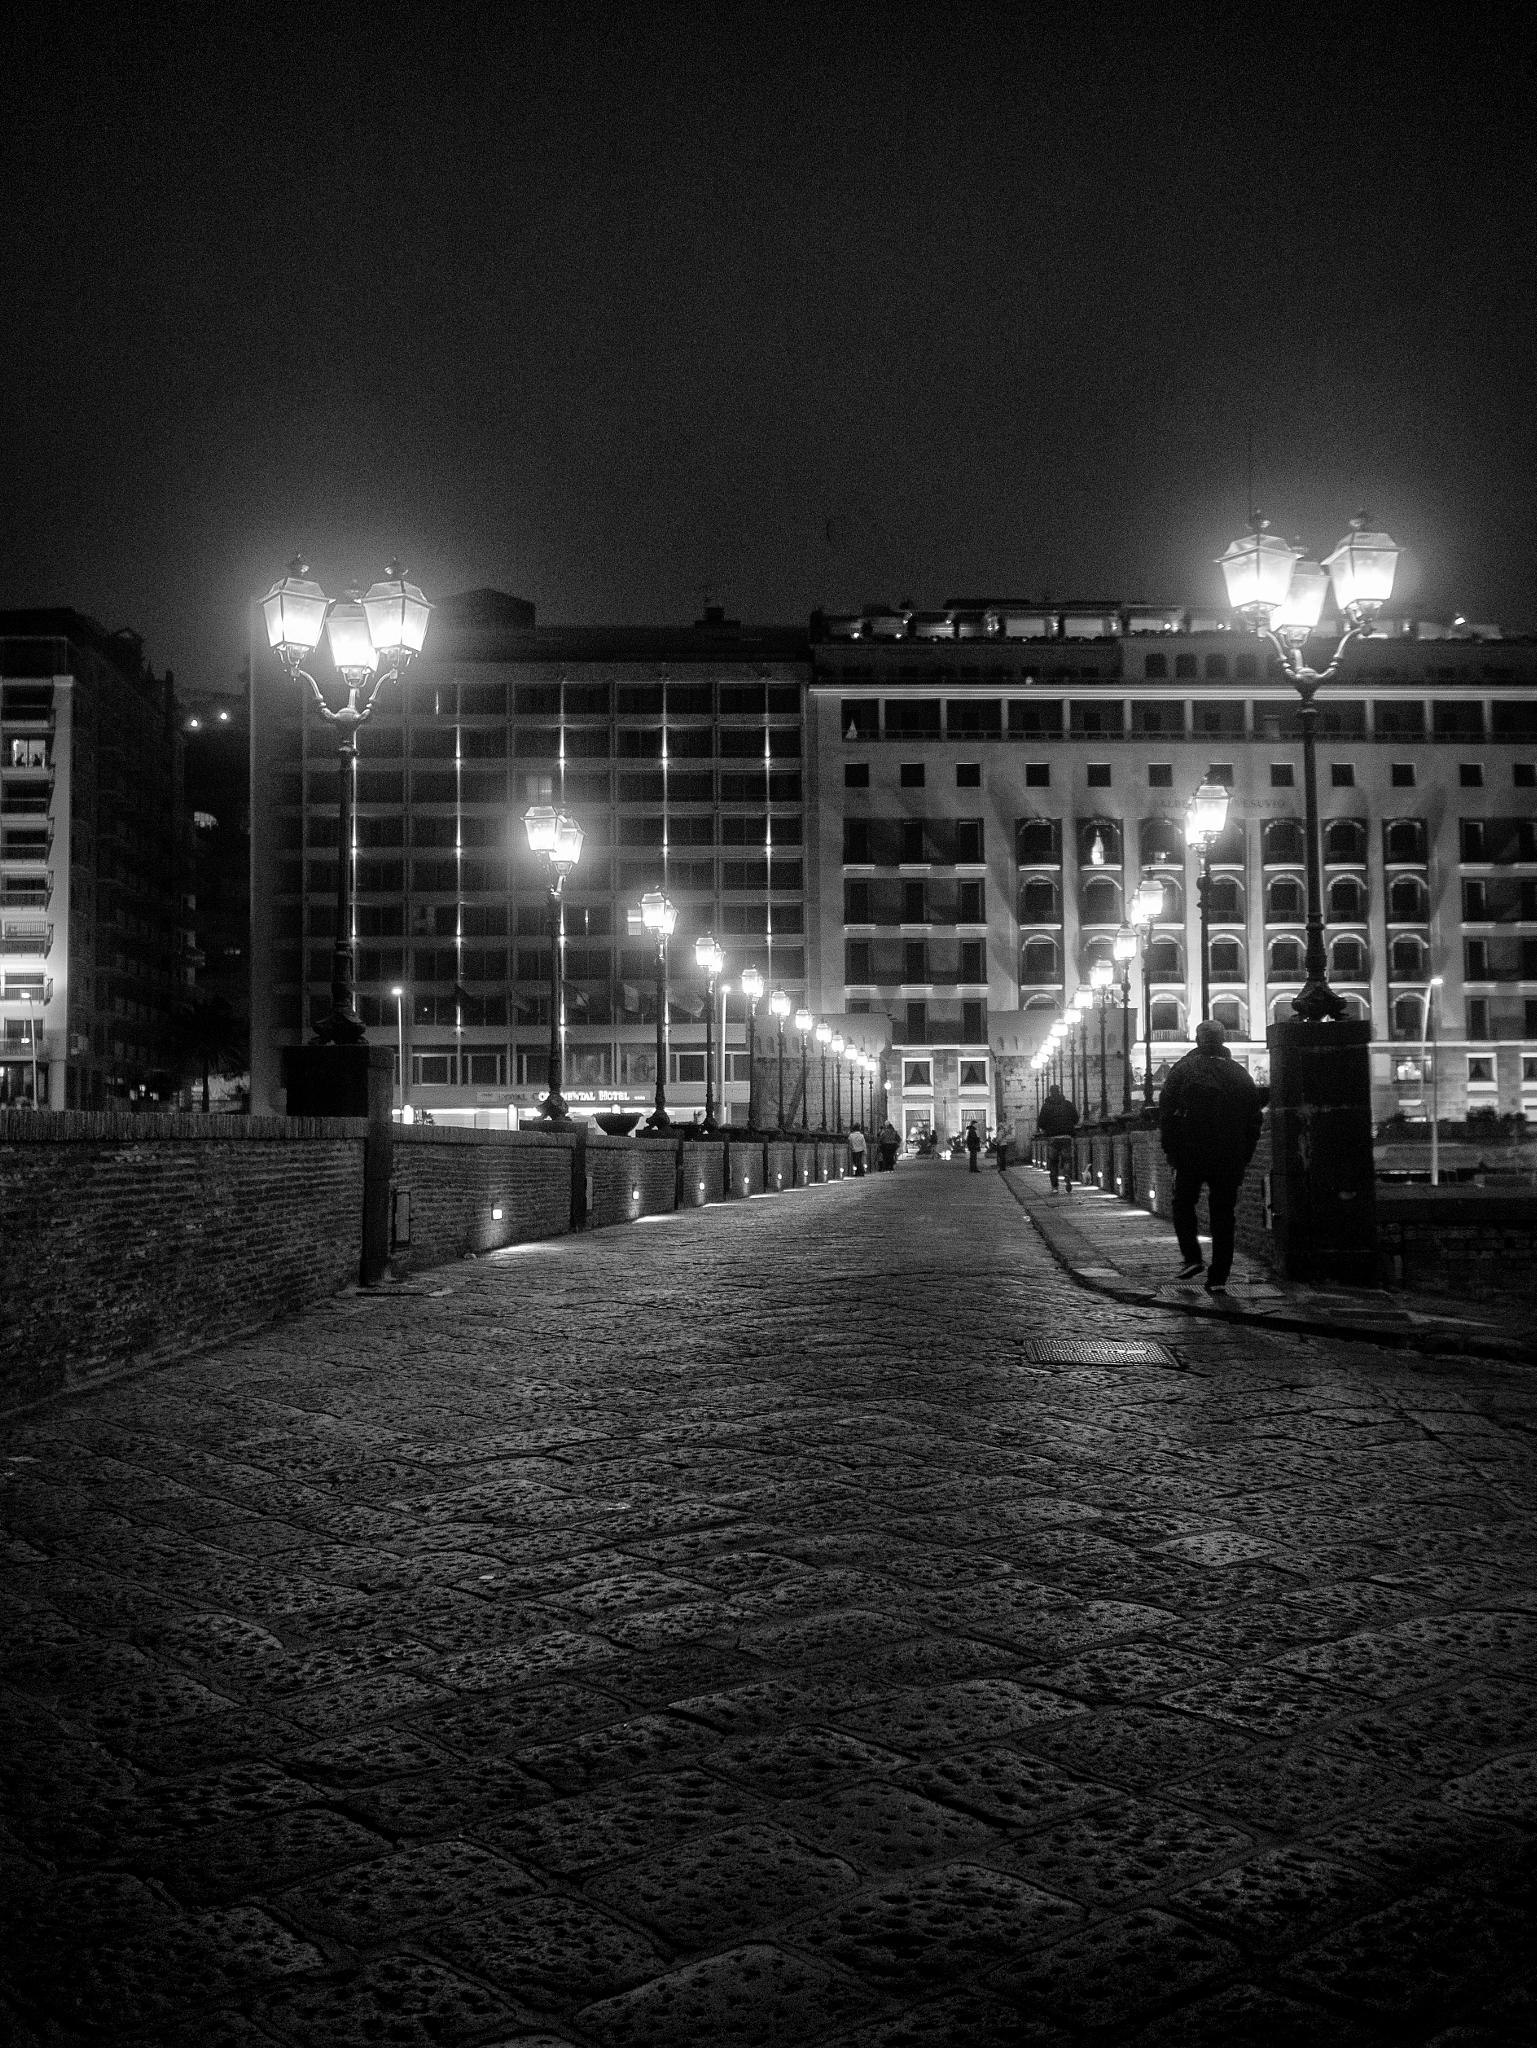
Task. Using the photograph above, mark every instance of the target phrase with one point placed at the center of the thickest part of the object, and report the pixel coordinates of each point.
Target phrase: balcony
(25, 937)
(20, 892)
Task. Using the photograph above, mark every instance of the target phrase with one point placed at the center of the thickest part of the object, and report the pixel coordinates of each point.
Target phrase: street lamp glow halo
(1206, 815)
(1362, 569)
(1298, 613)
(1257, 569)
(752, 984)
(1124, 943)
(348, 637)
(539, 822)
(1101, 974)
(397, 615)
(779, 1004)
(803, 1021)
(658, 913)
(1147, 903)
(824, 1034)
(295, 612)
(837, 1043)
(1083, 996)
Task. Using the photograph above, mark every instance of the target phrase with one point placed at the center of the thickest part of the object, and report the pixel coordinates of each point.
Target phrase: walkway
(771, 1626)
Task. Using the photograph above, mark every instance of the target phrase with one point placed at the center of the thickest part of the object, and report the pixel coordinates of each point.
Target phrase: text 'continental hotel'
(928, 826)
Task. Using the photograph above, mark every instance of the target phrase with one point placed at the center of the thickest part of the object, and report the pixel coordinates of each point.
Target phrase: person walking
(889, 1144)
(1209, 1125)
(1057, 1122)
(973, 1143)
(1004, 1139)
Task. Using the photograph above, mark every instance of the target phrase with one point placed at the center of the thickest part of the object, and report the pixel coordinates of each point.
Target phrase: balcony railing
(25, 936)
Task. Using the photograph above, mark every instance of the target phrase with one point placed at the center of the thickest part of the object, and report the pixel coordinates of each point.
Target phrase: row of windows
(1160, 775)
(487, 788)
(1345, 900)
(1161, 841)
(892, 842)
(430, 698)
(905, 902)
(933, 718)
(912, 961)
(586, 1066)
(1041, 962)
(454, 877)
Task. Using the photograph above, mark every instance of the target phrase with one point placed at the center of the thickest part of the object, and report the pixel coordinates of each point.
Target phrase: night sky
(800, 307)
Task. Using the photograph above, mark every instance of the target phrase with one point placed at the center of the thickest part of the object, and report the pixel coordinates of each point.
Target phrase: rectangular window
(856, 960)
(970, 903)
(911, 849)
(485, 1069)
(1159, 715)
(1097, 715)
(433, 1069)
(1480, 1065)
(1476, 964)
(969, 840)
(1342, 774)
(1037, 775)
(1470, 774)
(964, 715)
(1475, 902)
(856, 903)
(1036, 716)
(973, 1073)
(1099, 775)
(856, 775)
(1160, 774)
(915, 903)
(1403, 775)
(973, 1023)
(1529, 1064)
(973, 964)
(856, 840)
(1471, 833)
(915, 961)
(968, 774)
(911, 775)
(1221, 771)
(915, 718)
(1525, 774)
(1453, 721)
(917, 1023)
(687, 1066)
(1398, 721)
(917, 1074)
(1282, 775)
(861, 717)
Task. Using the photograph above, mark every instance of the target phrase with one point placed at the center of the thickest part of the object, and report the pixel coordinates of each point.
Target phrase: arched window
(1283, 840)
(1165, 1015)
(1226, 960)
(1344, 839)
(1228, 1012)
(1226, 900)
(1102, 901)
(1163, 843)
(1408, 1017)
(1406, 901)
(1097, 949)
(1038, 902)
(1173, 907)
(1347, 960)
(1358, 1009)
(1408, 960)
(1040, 962)
(1285, 901)
(1163, 963)
(1036, 839)
(1406, 839)
(1286, 960)
(1103, 833)
(1347, 901)
(1227, 847)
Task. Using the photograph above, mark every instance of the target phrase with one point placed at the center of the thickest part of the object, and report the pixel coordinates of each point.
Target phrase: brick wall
(630, 1177)
(457, 1179)
(778, 1166)
(1474, 1242)
(704, 1170)
(132, 1237)
(744, 1168)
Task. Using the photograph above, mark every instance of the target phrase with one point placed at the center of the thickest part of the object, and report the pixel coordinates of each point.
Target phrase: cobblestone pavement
(739, 1628)
(1131, 1256)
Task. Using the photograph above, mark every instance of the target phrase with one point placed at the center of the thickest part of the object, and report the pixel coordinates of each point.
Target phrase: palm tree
(210, 1036)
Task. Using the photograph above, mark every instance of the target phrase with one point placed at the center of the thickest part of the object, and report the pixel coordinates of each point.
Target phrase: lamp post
(556, 840)
(711, 959)
(660, 916)
(837, 1090)
(1083, 1002)
(824, 1039)
(1280, 595)
(779, 1009)
(1125, 949)
(400, 1031)
(1101, 975)
(804, 1022)
(373, 639)
(752, 993)
(1146, 909)
(1205, 820)
(1428, 1047)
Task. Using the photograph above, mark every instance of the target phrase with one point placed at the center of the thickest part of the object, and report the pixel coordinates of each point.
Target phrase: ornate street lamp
(1280, 595)
(804, 1022)
(1083, 1002)
(752, 992)
(556, 840)
(710, 959)
(398, 992)
(1205, 821)
(824, 1039)
(1125, 950)
(837, 1090)
(1101, 975)
(779, 1009)
(1146, 909)
(660, 916)
(373, 639)
(1429, 1052)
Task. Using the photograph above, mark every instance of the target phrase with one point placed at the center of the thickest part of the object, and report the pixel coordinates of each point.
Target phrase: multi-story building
(989, 784)
(217, 750)
(679, 751)
(93, 933)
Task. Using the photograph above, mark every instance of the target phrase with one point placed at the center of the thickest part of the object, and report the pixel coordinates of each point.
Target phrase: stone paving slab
(739, 1630)
(1119, 1250)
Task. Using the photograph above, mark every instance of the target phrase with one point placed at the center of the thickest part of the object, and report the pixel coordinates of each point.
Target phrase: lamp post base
(342, 1027)
(553, 1113)
(1317, 1003)
(353, 1081)
(1323, 1174)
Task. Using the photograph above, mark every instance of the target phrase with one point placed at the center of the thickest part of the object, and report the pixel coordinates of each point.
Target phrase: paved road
(738, 1629)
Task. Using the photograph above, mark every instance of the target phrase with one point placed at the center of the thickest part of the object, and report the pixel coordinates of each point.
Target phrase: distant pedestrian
(973, 1143)
(857, 1151)
(1057, 1122)
(1209, 1123)
(1003, 1141)
(890, 1144)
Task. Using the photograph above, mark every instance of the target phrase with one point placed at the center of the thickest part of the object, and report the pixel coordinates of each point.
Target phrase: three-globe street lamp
(709, 957)
(1280, 595)
(1101, 975)
(660, 916)
(556, 839)
(752, 993)
(398, 992)
(824, 1040)
(837, 1089)
(373, 639)
(1145, 910)
(1125, 950)
(804, 1021)
(779, 1009)
(1205, 822)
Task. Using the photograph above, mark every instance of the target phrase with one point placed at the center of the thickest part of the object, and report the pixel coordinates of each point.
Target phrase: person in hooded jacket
(1209, 1124)
(1057, 1122)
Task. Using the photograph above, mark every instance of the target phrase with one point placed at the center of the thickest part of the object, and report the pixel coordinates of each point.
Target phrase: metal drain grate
(1095, 1351)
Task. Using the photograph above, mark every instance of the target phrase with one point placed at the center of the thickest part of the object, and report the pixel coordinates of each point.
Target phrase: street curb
(1431, 1343)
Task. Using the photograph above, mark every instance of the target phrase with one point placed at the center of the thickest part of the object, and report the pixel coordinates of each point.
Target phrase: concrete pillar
(1323, 1176)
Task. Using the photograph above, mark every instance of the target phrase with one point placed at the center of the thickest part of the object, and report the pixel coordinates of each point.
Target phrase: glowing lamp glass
(824, 1034)
(295, 610)
(568, 841)
(803, 1021)
(1362, 568)
(779, 1004)
(1101, 974)
(1257, 569)
(352, 648)
(540, 822)
(837, 1044)
(708, 955)
(1097, 851)
(752, 984)
(658, 914)
(397, 616)
(1083, 997)
(1124, 945)
(1207, 812)
(1147, 904)
(1302, 607)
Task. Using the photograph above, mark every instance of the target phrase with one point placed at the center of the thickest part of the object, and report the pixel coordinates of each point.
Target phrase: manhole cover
(1096, 1351)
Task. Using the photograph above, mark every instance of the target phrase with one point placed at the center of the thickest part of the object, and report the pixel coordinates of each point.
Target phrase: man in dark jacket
(1209, 1122)
(973, 1144)
(1057, 1122)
